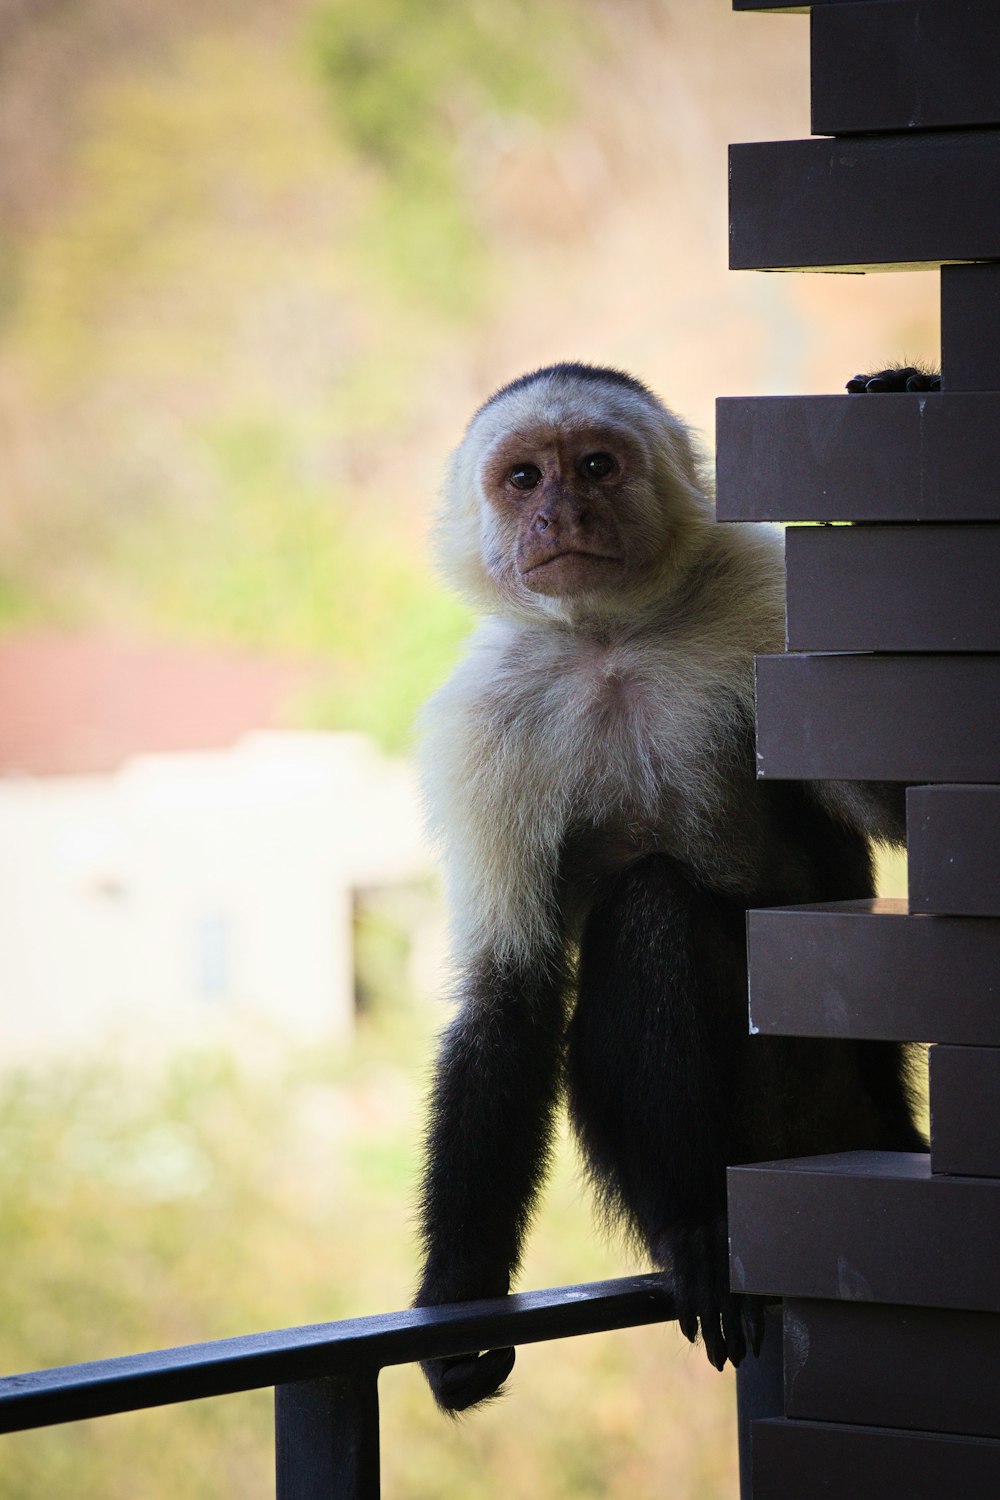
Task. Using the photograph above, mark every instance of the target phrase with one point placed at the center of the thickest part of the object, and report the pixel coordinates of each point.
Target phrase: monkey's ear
(466, 1380)
(908, 378)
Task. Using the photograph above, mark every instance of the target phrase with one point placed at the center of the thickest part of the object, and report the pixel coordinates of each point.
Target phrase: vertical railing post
(327, 1439)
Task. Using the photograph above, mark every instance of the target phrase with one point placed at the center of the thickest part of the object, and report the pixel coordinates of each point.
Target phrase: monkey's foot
(907, 379)
(697, 1258)
(468, 1379)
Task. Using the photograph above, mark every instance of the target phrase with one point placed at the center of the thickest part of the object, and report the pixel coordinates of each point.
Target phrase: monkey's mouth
(577, 553)
(571, 570)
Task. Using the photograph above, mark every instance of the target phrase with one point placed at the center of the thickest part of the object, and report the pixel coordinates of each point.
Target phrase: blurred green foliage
(280, 563)
(412, 84)
(403, 71)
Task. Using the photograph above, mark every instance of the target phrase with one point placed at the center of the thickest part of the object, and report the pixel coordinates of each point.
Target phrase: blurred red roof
(86, 703)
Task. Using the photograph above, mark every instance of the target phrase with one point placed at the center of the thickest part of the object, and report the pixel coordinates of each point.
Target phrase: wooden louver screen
(889, 1265)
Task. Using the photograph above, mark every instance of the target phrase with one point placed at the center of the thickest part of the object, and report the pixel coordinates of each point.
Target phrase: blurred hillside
(258, 262)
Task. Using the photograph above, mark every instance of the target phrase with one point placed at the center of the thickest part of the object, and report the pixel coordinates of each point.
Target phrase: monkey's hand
(463, 1380)
(907, 379)
(468, 1379)
(697, 1258)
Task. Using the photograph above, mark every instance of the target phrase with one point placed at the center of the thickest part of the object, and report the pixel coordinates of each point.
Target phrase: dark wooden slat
(866, 969)
(894, 718)
(349, 1348)
(790, 7)
(859, 458)
(327, 1439)
(970, 326)
(899, 588)
(917, 1367)
(905, 65)
(953, 841)
(803, 1460)
(865, 202)
(965, 1110)
(865, 1226)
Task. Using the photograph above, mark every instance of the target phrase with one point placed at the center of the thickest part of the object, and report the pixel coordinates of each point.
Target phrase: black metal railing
(325, 1375)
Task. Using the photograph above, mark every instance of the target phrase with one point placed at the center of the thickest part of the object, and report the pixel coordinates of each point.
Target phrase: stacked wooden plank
(889, 1264)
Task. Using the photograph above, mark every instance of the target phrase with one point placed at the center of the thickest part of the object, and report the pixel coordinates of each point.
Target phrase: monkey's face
(570, 496)
(563, 500)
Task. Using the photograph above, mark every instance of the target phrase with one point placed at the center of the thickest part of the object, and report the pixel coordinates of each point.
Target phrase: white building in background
(189, 890)
(166, 875)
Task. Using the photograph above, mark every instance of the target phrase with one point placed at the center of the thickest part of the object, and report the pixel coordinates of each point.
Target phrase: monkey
(589, 770)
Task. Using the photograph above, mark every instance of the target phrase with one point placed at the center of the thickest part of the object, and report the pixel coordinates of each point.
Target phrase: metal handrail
(325, 1374)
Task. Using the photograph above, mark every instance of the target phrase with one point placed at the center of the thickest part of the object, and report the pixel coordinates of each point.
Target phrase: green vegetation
(281, 564)
(412, 84)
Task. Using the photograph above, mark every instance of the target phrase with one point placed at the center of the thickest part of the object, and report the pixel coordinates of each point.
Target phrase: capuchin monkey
(590, 772)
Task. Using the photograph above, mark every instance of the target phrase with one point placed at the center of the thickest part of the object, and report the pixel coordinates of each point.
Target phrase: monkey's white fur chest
(542, 736)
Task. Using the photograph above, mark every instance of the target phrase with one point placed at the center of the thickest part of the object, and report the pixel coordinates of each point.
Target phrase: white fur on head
(631, 732)
(672, 489)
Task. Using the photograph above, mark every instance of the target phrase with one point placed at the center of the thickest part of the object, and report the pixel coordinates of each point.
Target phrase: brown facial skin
(560, 493)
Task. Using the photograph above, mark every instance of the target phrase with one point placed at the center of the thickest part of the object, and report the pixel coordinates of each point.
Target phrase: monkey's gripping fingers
(467, 1379)
(697, 1257)
(753, 1321)
(907, 379)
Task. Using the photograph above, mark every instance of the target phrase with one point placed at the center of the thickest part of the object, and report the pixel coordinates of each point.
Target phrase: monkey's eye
(525, 476)
(598, 466)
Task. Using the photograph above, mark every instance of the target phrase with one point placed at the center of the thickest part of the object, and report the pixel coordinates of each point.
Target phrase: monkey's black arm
(496, 1083)
(655, 1057)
